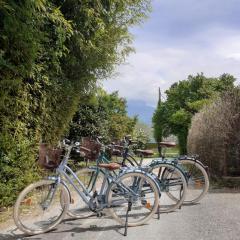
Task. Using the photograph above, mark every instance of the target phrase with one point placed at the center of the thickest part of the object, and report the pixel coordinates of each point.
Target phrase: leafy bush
(51, 54)
(17, 167)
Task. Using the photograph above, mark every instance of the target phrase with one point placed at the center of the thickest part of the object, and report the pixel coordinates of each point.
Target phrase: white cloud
(213, 51)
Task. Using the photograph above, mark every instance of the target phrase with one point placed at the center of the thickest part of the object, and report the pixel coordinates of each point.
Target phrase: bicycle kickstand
(181, 196)
(158, 212)
(126, 222)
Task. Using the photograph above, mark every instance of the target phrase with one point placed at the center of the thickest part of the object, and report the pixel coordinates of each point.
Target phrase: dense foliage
(103, 115)
(215, 134)
(183, 100)
(51, 54)
(143, 132)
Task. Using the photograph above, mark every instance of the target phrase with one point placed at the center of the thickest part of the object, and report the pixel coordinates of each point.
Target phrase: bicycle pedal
(148, 205)
(100, 214)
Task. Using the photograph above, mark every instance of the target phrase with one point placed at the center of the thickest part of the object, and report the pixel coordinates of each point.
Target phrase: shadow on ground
(72, 227)
(13, 236)
(94, 228)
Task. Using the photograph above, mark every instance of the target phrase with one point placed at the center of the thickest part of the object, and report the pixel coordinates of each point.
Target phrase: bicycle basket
(93, 146)
(49, 157)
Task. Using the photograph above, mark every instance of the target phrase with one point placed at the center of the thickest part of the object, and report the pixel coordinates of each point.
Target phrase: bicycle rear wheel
(197, 179)
(38, 208)
(128, 162)
(137, 189)
(173, 186)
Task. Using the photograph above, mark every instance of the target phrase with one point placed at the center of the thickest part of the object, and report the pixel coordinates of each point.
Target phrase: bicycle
(92, 177)
(195, 172)
(173, 181)
(42, 205)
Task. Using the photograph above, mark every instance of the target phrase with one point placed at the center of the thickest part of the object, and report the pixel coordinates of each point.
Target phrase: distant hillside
(143, 111)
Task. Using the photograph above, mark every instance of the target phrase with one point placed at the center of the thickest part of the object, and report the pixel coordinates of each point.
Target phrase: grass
(225, 183)
(6, 214)
(170, 152)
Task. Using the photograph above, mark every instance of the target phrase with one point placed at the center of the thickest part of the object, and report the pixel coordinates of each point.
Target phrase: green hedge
(52, 53)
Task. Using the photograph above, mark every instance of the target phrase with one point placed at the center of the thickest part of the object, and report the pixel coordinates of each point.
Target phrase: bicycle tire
(171, 187)
(28, 199)
(194, 183)
(144, 205)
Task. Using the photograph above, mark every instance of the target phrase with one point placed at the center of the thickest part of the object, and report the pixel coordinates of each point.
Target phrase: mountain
(140, 108)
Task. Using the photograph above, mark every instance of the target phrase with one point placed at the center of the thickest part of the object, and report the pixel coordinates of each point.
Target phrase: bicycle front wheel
(38, 208)
(135, 189)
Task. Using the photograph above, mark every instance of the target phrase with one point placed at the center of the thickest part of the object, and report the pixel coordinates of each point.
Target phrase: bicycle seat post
(141, 161)
(163, 153)
(125, 150)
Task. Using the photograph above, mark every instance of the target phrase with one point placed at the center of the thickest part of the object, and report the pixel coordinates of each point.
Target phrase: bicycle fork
(47, 202)
(53, 188)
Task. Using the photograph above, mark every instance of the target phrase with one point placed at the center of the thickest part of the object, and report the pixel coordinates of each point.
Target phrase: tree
(52, 53)
(143, 132)
(160, 126)
(184, 99)
(102, 114)
(32, 40)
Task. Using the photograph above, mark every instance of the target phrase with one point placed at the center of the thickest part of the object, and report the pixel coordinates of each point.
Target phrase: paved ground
(217, 217)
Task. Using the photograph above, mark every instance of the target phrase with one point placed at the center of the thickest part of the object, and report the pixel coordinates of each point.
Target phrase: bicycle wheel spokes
(173, 187)
(138, 189)
(38, 208)
(92, 181)
(198, 182)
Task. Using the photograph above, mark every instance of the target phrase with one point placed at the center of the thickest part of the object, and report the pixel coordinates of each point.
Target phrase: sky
(180, 38)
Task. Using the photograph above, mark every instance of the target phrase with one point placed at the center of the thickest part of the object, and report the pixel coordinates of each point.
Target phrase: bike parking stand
(126, 222)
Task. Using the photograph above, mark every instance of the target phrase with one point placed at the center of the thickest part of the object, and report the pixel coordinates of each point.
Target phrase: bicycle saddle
(145, 152)
(167, 144)
(116, 152)
(110, 166)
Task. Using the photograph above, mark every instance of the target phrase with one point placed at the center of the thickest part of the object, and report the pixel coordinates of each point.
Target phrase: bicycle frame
(72, 178)
(84, 193)
(130, 186)
(155, 162)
